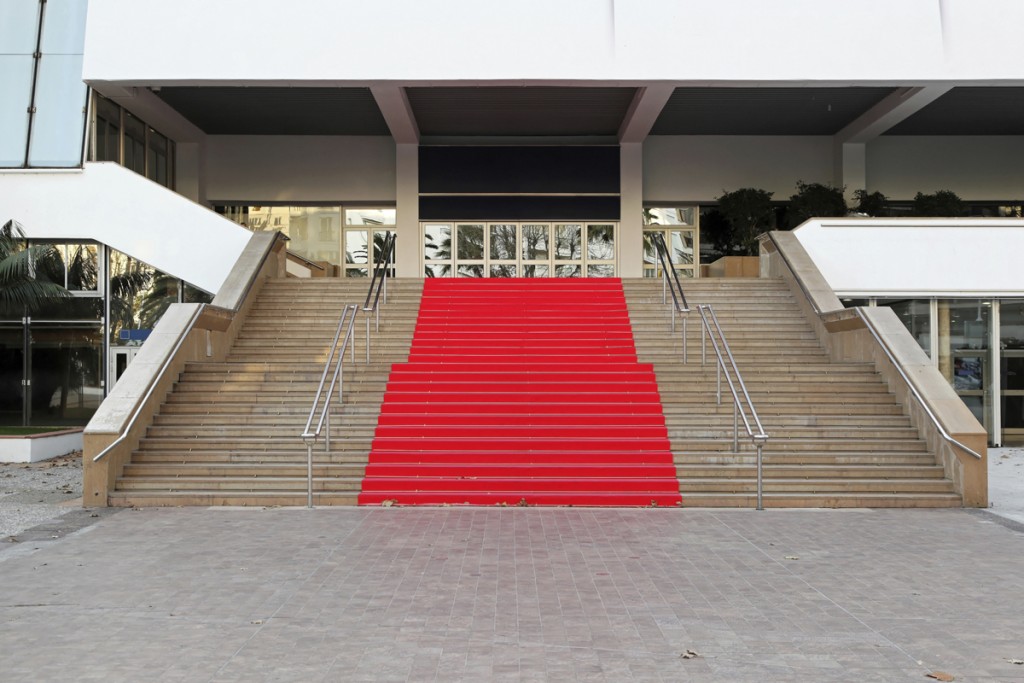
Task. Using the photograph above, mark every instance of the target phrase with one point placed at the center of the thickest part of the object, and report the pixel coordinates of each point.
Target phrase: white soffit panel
(110, 204)
(918, 256)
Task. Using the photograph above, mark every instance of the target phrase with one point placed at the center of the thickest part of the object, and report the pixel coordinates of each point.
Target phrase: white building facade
(524, 139)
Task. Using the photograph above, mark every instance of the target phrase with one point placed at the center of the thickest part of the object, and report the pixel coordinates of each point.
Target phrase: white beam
(643, 112)
(394, 105)
(892, 110)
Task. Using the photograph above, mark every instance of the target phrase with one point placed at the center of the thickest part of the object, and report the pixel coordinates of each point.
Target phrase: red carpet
(521, 391)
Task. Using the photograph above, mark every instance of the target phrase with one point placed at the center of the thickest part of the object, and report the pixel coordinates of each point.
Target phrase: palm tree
(24, 287)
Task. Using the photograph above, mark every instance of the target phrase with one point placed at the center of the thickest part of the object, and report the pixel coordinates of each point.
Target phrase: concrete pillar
(190, 171)
(631, 198)
(407, 195)
(850, 168)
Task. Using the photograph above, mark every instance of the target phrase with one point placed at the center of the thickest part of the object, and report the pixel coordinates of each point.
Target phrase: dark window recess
(527, 170)
(519, 208)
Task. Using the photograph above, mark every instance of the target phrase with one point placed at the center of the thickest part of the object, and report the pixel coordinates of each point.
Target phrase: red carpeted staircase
(522, 391)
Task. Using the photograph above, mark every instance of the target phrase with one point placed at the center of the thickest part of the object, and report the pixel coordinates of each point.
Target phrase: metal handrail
(153, 385)
(711, 327)
(309, 435)
(913, 390)
(670, 283)
(874, 333)
(382, 267)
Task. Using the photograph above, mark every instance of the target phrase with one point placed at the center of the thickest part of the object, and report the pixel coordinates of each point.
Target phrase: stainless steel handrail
(382, 267)
(670, 283)
(711, 327)
(913, 390)
(152, 385)
(309, 436)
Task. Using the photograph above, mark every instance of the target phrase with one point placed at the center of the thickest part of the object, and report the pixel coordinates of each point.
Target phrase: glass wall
(531, 249)
(680, 228)
(55, 354)
(42, 111)
(1011, 369)
(957, 335)
(344, 239)
(119, 136)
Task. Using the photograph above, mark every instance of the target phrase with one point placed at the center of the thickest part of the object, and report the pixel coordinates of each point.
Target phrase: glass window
(370, 216)
(535, 243)
(64, 27)
(59, 121)
(682, 247)
(12, 371)
(503, 243)
(19, 26)
(356, 252)
(683, 215)
(66, 373)
(437, 242)
(108, 131)
(134, 144)
(601, 242)
(470, 242)
(568, 245)
(16, 86)
(158, 165)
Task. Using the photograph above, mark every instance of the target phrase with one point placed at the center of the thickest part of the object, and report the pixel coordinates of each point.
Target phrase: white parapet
(36, 447)
(917, 257)
(110, 204)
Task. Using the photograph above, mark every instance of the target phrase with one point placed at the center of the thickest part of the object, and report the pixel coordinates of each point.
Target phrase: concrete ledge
(209, 337)
(36, 447)
(846, 335)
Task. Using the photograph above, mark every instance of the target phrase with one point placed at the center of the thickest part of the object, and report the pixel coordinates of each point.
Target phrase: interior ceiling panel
(968, 111)
(278, 111)
(519, 111)
(764, 111)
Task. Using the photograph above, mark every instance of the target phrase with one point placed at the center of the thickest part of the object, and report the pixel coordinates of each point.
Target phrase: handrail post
(735, 427)
(760, 482)
(684, 316)
(309, 473)
(327, 427)
(367, 338)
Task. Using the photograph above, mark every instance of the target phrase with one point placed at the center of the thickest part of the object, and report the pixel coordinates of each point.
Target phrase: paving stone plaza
(478, 594)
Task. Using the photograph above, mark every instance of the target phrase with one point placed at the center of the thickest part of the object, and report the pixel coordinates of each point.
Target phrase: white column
(631, 183)
(850, 164)
(190, 171)
(407, 194)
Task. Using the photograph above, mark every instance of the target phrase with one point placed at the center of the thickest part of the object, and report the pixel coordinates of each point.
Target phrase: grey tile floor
(515, 594)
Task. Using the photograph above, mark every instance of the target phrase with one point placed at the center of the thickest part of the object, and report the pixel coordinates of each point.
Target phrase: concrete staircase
(228, 434)
(838, 437)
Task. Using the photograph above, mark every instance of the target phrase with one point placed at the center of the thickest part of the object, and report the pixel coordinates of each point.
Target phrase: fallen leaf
(792, 557)
(256, 621)
(689, 654)
(388, 503)
(1016, 661)
(940, 676)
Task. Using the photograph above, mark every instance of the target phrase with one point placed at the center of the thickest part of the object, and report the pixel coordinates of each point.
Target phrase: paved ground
(515, 594)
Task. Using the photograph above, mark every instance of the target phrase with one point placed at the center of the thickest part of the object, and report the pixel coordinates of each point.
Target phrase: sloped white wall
(110, 204)
(917, 256)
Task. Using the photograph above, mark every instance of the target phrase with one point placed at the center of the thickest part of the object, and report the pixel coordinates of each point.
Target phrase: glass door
(529, 249)
(1011, 369)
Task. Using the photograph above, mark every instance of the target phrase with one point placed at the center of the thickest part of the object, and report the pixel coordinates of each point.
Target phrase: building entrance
(519, 249)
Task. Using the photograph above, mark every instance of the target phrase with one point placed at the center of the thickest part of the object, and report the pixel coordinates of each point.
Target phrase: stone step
(206, 498)
(689, 485)
(823, 500)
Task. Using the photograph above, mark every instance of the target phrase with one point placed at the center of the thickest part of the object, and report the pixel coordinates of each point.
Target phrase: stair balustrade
(344, 333)
(382, 268)
(670, 283)
(713, 331)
